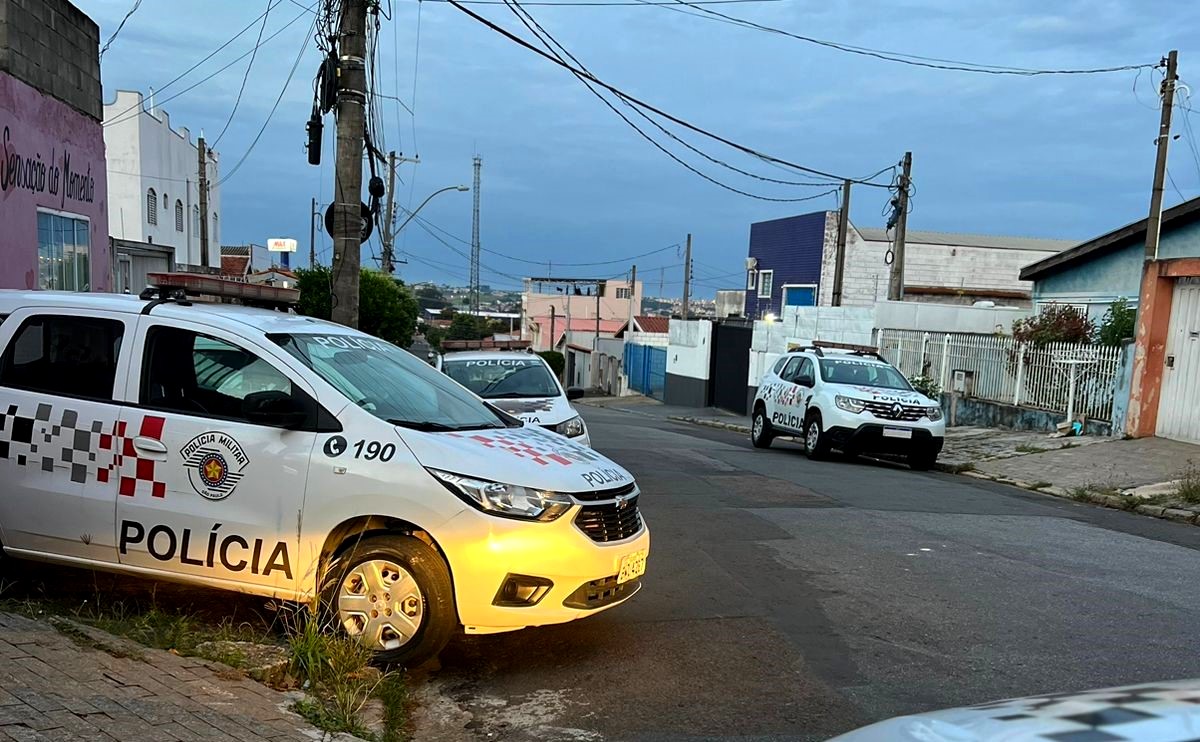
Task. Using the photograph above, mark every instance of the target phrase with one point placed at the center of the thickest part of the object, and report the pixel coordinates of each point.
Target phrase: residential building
(53, 191)
(792, 263)
(153, 176)
(1164, 377)
(280, 277)
(134, 261)
(551, 301)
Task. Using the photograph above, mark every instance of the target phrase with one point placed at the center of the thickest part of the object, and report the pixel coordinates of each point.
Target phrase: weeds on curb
(1040, 485)
(1188, 489)
(958, 468)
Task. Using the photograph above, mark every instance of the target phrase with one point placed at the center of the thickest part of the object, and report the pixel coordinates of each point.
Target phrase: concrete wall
(981, 413)
(730, 303)
(1124, 381)
(53, 47)
(688, 357)
(906, 315)
(144, 152)
(51, 158)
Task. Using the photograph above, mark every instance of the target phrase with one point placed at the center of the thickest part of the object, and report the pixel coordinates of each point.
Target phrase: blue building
(785, 263)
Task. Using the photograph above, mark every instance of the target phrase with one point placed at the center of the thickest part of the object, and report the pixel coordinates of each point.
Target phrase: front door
(1180, 396)
(58, 374)
(203, 489)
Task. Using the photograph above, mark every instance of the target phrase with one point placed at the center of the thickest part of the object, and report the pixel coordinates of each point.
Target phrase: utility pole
(347, 187)
(202, 154)
(312, 235)
(896, 284)
(687, 276)
(1154, 222)
(553, 317)
(632, 297)
(839, 266)
(387, 235)
(596, 342)
(478, 162)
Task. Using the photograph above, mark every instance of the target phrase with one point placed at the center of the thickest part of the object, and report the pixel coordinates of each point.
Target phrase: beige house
(548, 303)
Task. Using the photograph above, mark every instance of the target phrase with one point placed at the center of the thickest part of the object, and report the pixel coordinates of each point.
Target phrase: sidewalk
(66, 681)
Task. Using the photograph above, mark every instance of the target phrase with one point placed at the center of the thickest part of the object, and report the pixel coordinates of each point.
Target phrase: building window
(622, 293)
(64, 247)
(151, 207)
(178, 215)
(751, 280)
(766, 281)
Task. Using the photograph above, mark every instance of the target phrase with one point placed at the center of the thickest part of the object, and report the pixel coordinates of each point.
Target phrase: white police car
(284, 456)
(848, 398)
(521, 384)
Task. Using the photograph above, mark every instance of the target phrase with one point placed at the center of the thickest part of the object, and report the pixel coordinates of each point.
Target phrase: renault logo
(897, 410)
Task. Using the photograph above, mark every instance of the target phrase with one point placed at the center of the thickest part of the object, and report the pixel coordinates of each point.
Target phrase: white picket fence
(1008, 372)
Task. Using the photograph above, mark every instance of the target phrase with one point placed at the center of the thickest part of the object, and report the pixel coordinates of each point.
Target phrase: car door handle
(149, 445)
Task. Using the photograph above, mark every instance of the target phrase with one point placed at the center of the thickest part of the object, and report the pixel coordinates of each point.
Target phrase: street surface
(789, 599)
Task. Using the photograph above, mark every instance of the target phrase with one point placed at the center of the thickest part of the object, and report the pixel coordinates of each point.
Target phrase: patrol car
(284, 456)
(846, 397)
(521, 384)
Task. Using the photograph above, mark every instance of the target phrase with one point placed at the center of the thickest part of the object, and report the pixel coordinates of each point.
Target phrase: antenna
(475, 241)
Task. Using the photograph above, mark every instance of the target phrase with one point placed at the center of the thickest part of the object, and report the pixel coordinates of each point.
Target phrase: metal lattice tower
(475, 242)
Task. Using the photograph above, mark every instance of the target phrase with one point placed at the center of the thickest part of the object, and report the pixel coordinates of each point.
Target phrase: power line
(904, 58)
(642, 104)
(246, 76)
(608, 3)
(1172, 179)
(136, 4)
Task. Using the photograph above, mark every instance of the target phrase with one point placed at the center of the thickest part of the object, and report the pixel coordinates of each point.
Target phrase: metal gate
(730, 366)
(646, 369)
(1179, 400)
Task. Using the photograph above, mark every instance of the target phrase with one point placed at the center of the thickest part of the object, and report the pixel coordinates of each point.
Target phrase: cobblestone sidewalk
(76, 683)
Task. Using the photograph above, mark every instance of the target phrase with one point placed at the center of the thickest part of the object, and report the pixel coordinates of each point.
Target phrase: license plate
(633, 566)
(897, 433)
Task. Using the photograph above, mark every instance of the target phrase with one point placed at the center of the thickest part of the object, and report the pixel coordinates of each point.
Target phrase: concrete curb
(707, 422)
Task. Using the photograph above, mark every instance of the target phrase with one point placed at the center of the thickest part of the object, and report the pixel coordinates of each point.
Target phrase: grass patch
(1089, 492)
(1188, 489)
(958, 468)
(1027, 448)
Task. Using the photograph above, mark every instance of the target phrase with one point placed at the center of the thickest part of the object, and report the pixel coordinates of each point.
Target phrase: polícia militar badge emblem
(215, 463)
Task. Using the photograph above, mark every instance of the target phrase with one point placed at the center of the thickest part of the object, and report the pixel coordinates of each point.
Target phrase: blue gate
(646, 368)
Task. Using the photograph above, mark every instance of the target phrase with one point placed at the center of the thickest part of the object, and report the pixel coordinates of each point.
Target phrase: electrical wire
(609, 3)
(1186, 114)
(1172, 179)
(136, 4)
(912, 59)
(642, 104)
(246, 76)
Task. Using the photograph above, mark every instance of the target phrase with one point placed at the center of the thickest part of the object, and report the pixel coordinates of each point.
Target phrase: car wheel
(816, 443)
(921, 460)
(761, 433)
(392, 593)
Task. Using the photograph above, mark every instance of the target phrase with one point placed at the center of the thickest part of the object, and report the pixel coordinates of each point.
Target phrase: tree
(468, 327)
(1056, 323)
(434, 336)
(556, 361)
(387, 309)
(1118, 324)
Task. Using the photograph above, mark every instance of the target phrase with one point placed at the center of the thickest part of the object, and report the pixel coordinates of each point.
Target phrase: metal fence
(646, 369)
(1009, 372)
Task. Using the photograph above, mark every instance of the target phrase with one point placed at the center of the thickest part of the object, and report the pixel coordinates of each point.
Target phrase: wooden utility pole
(347, 186)
(312, 235)
(839, 265)
(386, 235)
(896, 284)
(632, 297)
(1154, 222)
(202, 155)
(687, 276)
(553, 318)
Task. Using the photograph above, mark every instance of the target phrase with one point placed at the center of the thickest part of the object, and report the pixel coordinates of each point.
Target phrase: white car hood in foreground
(537, 410)
(881, 394)
(1152, 712)
(527, 456)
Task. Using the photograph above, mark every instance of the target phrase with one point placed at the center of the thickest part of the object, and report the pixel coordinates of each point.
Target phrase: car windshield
(862, 373)
(390, 383)
(500, 378)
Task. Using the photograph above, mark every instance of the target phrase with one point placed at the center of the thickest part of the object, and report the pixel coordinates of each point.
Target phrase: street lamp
(389, 237)
(413, 213)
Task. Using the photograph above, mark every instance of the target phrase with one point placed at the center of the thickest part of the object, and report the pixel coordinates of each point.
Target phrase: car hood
(537, 410)
(882, 394)
(529, 456)
(1165, 712)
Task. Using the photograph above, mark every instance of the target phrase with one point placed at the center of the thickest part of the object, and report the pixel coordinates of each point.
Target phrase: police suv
(848, 398)
(521, 384)
(284, 456)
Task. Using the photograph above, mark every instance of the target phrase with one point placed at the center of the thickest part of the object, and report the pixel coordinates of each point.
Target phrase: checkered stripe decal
(519, 406)
(533, 444)
(51, 439)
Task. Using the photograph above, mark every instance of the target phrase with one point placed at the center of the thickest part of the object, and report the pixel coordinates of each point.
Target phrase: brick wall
(53, 47)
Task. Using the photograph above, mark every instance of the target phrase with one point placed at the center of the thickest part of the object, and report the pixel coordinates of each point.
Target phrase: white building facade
(153, 177)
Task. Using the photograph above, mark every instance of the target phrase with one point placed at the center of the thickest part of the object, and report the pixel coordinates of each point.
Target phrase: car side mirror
(574, 393)
(275, 409)
(806, 380)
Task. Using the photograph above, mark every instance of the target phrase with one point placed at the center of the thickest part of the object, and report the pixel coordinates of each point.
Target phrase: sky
(564, 180)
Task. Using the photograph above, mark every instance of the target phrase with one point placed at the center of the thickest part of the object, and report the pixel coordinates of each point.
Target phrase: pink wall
(51, 156)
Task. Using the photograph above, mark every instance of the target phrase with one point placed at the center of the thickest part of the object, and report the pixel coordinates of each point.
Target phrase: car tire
(921, 460)
(761, 432)
(816, 443)
(371, 569)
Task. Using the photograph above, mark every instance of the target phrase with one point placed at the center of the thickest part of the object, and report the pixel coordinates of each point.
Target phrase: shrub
(556, 360)
(1119, 323)
(386, 307)
(926, 385)
(1056, 323)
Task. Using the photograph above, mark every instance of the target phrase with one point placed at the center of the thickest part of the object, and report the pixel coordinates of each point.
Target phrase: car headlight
(849, 404)
(933, 413)
(572, 428)
(508, 500)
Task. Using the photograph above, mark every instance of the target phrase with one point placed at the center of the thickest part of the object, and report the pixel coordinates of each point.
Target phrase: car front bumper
(484, 551)
(870, 438)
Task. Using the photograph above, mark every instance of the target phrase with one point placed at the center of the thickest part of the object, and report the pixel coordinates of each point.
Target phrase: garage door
(1179, 404)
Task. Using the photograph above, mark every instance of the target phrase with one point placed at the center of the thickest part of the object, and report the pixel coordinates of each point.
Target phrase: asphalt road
(789, 599)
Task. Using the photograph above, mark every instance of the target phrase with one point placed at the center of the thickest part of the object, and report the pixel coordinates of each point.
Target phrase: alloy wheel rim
(810, 440)
(380, 604)
(758, 425)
